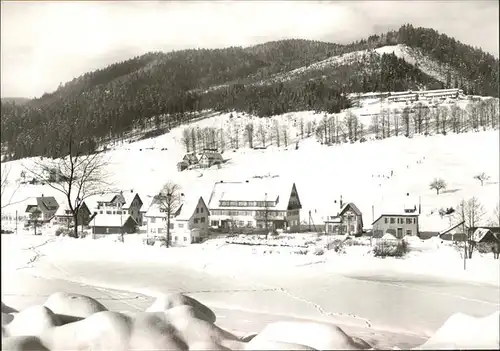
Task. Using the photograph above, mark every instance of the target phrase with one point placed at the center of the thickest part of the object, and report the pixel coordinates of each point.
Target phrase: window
(175, 238)
(114, 212)
(408, 220)
(249, 224)
(241, 223)
(215, 223)
(108, 212)
(153, 220)
(181, 225)
(408, 231)
(242, 203)
(392, 220)
(385, 220)
(185, 238)
(414, 220)
(197, 210)
(201, 209)
(202, 219)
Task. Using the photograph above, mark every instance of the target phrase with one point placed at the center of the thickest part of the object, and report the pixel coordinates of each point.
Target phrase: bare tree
(444, 119)
(438, 184)
(455, 118)
(277, 132)
(193, 140)
(286, 134)
(301, 128)
(395, 121)
(186, 139)
(222, 140)
(471, 212)
(169, 200)
(406, 120)
(80, 176)
(482, 177)
(309, 128)
(249, 131)
(262, 133)
(34, 216)
(5, 199)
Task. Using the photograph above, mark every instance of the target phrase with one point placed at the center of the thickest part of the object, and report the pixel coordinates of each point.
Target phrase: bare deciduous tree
(186, 139)
(286, 134)
(169, 200)
(249, 131)
(471, 212)
(7, 200)
(482, 177)
(277, 133)
(80, 176)
(438, 184)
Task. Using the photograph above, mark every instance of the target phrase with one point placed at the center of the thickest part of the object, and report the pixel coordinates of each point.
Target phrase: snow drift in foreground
(68, 321)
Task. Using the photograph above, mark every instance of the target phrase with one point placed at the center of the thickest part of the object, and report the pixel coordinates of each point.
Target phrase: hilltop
(164, 90)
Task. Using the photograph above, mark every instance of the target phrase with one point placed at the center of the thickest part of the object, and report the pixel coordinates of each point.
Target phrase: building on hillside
(103, 224)
(63, 215)
(250, 203)
(188, 223)
(189, 159)
(209, 158)
(132, 206)
(347, 219)
(46, 205)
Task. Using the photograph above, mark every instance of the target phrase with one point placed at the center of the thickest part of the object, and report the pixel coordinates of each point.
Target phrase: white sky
(45, 43)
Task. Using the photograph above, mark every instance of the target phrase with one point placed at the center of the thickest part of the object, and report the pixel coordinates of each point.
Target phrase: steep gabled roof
(188, 207)
(129, 198)
(47, 202)
(353, 207)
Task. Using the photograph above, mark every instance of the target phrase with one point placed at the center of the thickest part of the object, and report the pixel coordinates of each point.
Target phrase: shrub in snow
(318, 251)
(61, 231)
(390, 248)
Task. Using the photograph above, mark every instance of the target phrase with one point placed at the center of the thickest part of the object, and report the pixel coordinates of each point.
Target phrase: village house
(209, 158)
(63, 215)
(132, 206)
(103, 224)
(400, 221)
(250, 203)
(189, 159)
(485, 234)
(46, 206)
(398, 224)
(188, 223)
(347, 220)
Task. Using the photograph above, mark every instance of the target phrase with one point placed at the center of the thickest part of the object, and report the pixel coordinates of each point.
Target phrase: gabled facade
(132, 206)
(348, 220)
(209, 158)
(189, 223)
(47, 205)
(251, 203)
(190, 158)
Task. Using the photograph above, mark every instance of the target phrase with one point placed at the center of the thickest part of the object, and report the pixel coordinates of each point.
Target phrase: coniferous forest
(172, 88)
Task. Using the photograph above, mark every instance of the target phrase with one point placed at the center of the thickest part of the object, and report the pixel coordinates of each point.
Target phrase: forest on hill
(174, 87)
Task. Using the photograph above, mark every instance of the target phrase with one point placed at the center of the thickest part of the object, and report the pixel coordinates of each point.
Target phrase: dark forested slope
(172, 87)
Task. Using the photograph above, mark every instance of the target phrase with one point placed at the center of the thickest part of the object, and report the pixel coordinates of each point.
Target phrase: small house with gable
(347, 220)
(46, 205)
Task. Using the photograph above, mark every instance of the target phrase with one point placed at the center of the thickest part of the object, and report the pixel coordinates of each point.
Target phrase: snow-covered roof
(105, 220)
(252, 190)
(480, 233)
(188, 207)
(154, 211)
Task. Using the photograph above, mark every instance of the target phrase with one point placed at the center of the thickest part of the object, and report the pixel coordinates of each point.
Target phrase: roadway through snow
(407, 306)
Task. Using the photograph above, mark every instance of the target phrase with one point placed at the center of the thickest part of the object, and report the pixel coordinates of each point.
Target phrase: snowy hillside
(410, 55)
(360, 172)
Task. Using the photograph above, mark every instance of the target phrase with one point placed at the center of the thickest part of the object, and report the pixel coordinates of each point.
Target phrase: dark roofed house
(485, 235)
(47, 205)
(103, 224)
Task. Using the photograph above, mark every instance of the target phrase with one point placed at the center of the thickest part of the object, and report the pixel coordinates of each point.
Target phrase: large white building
(188, 222)
(248, 204)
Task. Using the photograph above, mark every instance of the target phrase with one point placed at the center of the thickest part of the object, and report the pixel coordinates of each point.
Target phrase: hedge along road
(395, 302)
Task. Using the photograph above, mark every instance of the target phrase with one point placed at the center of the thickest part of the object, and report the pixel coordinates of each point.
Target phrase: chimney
(246, 181)
(131, 190)
(42, 195)
(222, 181)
